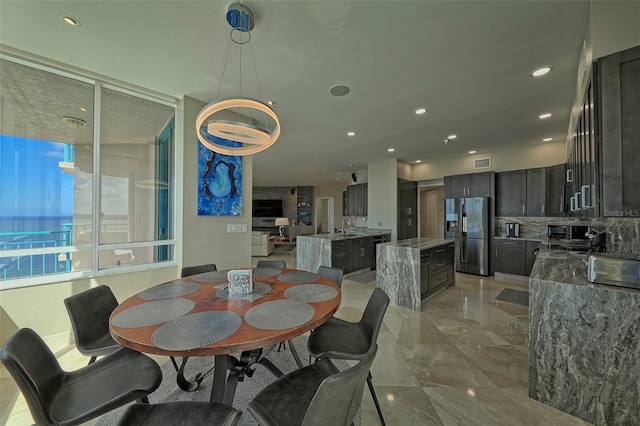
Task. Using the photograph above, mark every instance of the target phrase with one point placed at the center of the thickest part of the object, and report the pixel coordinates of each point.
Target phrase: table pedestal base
(224, 387)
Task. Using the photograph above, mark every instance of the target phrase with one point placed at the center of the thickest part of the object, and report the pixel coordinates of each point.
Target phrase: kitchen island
(410, 270)
(350, 252)
(584, 342)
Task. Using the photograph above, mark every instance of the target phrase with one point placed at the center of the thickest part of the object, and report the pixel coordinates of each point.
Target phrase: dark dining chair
(180, 413)
(339, 339)
(271, 264)
(198, 269)
(58, 397)
(316, 395)
(89, 313)
(334, 274)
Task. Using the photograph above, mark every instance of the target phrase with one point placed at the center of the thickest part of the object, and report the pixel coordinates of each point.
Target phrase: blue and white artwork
(219, 181)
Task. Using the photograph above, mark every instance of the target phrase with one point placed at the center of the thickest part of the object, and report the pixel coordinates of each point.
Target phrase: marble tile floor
(462, 360)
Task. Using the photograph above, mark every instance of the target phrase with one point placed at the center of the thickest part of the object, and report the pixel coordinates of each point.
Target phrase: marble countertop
(567, 267)
(358, 234)
(419, 243)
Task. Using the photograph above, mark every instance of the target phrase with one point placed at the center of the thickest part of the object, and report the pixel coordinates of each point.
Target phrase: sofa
(261, 245)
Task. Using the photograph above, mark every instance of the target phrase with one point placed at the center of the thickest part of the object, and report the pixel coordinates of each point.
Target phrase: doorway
(432, 212)
(324, 219)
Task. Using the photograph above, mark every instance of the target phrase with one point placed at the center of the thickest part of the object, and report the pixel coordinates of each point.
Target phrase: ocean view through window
(75, 202)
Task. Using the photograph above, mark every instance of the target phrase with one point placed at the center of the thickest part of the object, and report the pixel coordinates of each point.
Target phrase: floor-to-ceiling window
(85, 176)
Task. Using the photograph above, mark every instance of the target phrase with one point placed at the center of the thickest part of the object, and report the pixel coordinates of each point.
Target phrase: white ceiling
(467, 62)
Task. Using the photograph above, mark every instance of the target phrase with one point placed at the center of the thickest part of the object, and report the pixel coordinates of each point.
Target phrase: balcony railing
(35, 264)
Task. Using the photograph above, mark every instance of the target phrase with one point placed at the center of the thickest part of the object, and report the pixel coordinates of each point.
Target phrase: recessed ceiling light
(351, 133)
(545, 115)
(472, 152)
(272, 103)
(70, 21)
(451, 137)
(391, 149)
(83, 109)
(547, 139)
(418, 161)
(339, 90)
(540, 72)
(421, 111)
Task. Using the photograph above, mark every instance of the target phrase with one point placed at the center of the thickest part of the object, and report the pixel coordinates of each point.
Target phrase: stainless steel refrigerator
(467, 222)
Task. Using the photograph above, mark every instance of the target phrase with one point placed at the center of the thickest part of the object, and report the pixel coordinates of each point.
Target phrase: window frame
(100, 82)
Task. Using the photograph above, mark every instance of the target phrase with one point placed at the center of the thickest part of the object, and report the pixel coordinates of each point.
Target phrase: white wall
(383, 195)
(205, 238)
(538, 155)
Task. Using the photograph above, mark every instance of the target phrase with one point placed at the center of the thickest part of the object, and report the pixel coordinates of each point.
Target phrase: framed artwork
(219, 182)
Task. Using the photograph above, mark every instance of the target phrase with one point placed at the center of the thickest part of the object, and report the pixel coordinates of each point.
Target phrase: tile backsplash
(623, 234)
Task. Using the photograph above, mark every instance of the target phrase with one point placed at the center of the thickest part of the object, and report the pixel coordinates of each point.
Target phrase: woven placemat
(259, 290)
(152, 313)
(311, 293)
(299, 277)
(196, 330)
(169, 290)
(212, 276)
(264, 272)
(279, 314)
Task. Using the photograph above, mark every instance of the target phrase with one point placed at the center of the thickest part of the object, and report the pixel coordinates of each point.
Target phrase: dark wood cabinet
(618, 130)
(511, 193)
(437, 269)
(468, 185)
(407, 209)
(554, 196)
(510, 256)
(340, 255)
(536, 185)
(357, 199)
(304, 205)
(360, 253)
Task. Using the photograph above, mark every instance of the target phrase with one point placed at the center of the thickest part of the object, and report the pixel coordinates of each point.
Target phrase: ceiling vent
(482, 163)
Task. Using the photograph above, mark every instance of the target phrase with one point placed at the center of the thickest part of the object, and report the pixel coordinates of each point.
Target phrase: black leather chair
(271, 264)
(198, 269)
(339, 339)
(180, 413)
(58, 397)
(318, 394)
(89, 313)
(334, 274)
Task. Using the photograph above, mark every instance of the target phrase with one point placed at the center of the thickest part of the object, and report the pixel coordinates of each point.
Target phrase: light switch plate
(236, 227)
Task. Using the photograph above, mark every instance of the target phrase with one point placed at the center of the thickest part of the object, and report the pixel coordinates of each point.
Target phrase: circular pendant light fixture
(238, 125)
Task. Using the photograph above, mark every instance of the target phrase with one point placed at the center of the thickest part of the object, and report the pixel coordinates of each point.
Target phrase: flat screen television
(267, 208)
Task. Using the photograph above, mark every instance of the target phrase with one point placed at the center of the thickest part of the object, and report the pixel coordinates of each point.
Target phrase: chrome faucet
(346, 220)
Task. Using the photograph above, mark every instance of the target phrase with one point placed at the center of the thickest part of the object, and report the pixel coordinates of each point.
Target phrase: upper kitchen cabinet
(618, 115)
(582, 180)
(357, 199)
(536, 191)
(407, 209)
(469, 185)
(555, 180)
(511, 193)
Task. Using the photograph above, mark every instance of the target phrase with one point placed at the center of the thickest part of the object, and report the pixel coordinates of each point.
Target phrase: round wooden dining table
(198, 316)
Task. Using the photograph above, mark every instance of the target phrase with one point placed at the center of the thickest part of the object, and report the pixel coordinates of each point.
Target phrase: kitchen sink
(621, 271)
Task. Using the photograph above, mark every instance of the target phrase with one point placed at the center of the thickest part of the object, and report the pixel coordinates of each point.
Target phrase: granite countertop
(336, 236)
(420, 243)
(567, 267)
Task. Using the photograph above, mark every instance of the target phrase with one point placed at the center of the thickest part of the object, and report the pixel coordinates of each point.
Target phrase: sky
(31, 181)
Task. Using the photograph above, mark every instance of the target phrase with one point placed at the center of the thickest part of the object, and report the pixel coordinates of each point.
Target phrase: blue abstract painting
(219, 181)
